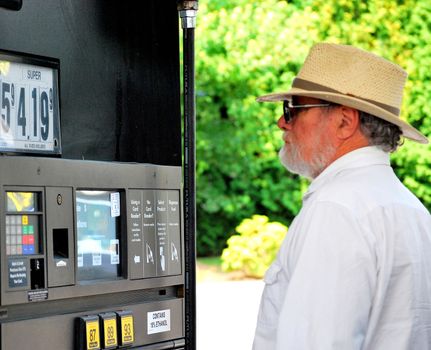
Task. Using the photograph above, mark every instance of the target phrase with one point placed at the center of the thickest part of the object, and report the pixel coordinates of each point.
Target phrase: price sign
(29, 121)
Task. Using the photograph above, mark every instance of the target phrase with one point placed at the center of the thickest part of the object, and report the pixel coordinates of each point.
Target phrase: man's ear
(348, 122)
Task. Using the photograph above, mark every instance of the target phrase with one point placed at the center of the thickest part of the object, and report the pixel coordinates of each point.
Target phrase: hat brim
(408, 131)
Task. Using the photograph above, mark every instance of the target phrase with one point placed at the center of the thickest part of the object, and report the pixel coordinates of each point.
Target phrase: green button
(25, 230)
(31, 229)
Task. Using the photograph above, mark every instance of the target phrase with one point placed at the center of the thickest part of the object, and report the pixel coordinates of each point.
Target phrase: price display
(29, 120)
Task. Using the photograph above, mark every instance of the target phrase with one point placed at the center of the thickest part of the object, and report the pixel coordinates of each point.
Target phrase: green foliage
(255, 246)
(245, 49)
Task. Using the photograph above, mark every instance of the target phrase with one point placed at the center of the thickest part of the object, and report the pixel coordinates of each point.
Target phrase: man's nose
(281, 123)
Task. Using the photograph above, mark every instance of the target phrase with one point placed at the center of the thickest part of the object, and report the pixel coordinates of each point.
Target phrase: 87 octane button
(87, 333)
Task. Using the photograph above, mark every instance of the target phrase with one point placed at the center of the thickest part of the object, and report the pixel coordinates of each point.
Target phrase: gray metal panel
(28, 173)
(42, 333)
(59, 219)
(91, 174)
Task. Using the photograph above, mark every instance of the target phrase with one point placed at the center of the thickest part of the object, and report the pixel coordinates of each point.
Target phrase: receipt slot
(91, 255)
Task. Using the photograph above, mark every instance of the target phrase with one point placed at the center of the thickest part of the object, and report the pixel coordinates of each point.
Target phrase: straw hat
(355, 78)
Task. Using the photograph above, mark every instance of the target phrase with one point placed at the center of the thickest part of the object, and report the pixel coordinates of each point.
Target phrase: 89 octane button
(108, 326)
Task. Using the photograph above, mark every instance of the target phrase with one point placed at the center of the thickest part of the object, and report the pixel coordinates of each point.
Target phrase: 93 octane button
(126, 328)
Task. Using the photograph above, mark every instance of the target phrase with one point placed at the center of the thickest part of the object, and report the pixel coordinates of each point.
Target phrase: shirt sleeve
(332, 281)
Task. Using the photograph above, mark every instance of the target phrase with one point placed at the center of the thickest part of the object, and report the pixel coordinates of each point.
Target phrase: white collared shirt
(354, 271)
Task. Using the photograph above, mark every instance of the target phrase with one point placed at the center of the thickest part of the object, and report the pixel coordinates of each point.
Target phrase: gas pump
(96, 219)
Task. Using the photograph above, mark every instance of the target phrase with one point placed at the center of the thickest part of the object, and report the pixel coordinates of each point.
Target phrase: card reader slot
(37, 273)
(59, 236)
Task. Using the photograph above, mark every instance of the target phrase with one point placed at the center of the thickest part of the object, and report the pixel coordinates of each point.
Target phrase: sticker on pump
(159, 321)
(97, 253)
(115, 204)
(114, 248)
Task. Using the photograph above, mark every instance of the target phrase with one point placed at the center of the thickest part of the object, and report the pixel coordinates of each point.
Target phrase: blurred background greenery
(248, 48)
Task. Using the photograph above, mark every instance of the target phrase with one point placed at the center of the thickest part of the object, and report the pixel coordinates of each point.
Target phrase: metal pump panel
(84, 241)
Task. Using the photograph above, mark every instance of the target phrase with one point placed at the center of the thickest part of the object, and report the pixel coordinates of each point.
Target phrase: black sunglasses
(290, 111)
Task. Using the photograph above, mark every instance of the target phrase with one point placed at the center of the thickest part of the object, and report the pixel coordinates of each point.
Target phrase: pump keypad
(21, 234)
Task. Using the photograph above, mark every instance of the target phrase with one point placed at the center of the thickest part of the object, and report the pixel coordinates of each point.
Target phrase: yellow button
(110, 332)
(93, 335)
(127, 332)
(25, 220)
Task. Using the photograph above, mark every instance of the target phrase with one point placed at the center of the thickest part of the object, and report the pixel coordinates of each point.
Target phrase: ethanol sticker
(158, 321)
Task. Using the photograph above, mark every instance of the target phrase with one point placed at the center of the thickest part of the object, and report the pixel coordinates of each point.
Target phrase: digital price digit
(6, 104)
(44, 113)
(21, 116)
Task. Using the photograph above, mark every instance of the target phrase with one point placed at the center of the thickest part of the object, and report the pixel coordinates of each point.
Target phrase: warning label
(17, 272)
(158, 321)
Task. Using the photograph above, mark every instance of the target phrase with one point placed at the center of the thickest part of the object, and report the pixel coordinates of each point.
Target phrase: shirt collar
(358, 158)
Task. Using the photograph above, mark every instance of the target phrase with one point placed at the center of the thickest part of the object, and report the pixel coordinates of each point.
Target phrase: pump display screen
(98, 234)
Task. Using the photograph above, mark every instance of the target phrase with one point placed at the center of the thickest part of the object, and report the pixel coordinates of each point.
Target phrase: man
(354, 271)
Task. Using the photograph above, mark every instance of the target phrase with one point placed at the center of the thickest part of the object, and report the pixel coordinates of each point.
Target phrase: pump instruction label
(18, 273)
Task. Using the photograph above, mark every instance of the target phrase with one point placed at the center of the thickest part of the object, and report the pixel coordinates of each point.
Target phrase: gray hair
(380, 133)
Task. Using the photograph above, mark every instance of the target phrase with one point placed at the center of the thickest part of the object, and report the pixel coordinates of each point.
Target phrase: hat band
(310, 86)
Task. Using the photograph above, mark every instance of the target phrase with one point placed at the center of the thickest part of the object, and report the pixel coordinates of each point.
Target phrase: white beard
(291, 156)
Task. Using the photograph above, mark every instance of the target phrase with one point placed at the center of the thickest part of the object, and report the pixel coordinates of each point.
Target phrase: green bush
(245, 49)
(255, 246)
